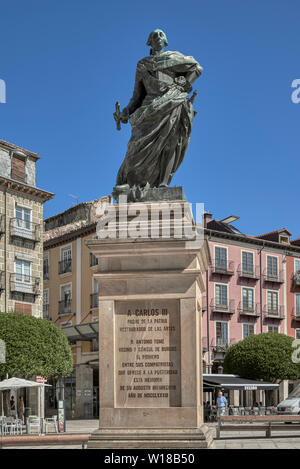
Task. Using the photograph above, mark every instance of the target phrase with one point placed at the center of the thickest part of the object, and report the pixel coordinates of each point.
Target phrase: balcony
(296, 279)
(65, 306)
(226, 307)
(94, 300)
(25, 229)
(65, 266)
(220, 347)
(273, 312)
(24, 284)
(249, 272)
(249, 310)
(222, 267)
(272, 277)
(46, 311)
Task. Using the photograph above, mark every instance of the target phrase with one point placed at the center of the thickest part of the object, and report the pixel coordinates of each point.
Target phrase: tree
(34, 346)
(264, 356)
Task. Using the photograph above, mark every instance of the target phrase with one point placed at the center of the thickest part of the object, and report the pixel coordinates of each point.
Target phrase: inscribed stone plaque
(147, 353)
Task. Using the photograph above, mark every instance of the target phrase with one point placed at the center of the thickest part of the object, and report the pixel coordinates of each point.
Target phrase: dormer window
(284, 239)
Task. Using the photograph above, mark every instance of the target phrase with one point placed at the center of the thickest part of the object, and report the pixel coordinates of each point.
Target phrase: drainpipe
(285, 312)
(5, 251)
(261, 293)
(207, 320)
(207, 313)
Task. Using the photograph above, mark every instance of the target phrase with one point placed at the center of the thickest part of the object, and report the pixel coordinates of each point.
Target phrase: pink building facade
(245, 290)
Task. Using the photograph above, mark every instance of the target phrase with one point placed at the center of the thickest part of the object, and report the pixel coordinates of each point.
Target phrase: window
(272, 266)
(297, 303)
(66, 254)
(95, 285)
(221, 257)
(273, 329)
(46, 296)
(65, 304)
(93, 260)
(247, 262)
(46, 303)
(66, 293)
(248, 329)
(248, 299)
(221, 333)
(23, 271)
(221, 295)
(272, 304)
(23, 217)
(297, 265)
(46, 268)
(65, 264)
(297, 334)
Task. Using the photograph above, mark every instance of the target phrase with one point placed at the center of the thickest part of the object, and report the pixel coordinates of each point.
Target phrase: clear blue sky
(66, 62)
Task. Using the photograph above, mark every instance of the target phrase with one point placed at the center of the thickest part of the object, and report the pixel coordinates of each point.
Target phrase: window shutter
(23, 308)
(18, 168)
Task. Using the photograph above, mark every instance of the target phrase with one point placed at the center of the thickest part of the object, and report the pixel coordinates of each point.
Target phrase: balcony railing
(65, 266)
(276, 277)
(222, 267)
(45, 311)
(218, 344)
(94, 300)
(221, 344)
(249, 310)
(296, 279)
(25, 229)
(65, 306)
(249, 272)
(24, 284)
(273, 312)
(222, 307)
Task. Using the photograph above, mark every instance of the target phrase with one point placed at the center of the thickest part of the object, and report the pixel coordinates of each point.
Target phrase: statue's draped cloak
(161, 119)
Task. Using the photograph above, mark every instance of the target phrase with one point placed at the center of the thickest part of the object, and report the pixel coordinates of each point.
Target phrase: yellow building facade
(70, 300)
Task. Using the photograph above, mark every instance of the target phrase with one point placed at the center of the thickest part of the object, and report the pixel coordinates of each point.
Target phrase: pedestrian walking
(221, 404)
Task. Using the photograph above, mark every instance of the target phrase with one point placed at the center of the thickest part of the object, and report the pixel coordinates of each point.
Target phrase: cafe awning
(234, 382)
(85, 331)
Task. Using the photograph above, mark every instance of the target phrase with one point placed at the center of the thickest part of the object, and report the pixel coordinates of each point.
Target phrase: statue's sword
(117, 116)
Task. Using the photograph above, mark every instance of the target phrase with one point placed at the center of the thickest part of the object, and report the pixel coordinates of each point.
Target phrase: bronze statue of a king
(161, 116)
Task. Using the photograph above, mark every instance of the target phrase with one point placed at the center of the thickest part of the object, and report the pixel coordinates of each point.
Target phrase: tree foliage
(264, 356)
(34, 346)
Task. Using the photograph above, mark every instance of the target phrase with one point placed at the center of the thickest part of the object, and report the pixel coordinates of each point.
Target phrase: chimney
(207, 217)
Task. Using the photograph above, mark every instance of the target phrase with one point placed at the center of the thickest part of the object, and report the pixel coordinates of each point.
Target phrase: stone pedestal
(150, 355)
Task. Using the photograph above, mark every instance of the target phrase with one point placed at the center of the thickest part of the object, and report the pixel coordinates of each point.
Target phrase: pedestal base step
(146, 438)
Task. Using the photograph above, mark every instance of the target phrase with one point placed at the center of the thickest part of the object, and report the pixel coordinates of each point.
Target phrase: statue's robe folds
(161, 120)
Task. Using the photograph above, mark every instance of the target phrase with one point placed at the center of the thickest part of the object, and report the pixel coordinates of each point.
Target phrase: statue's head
(157, 40)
